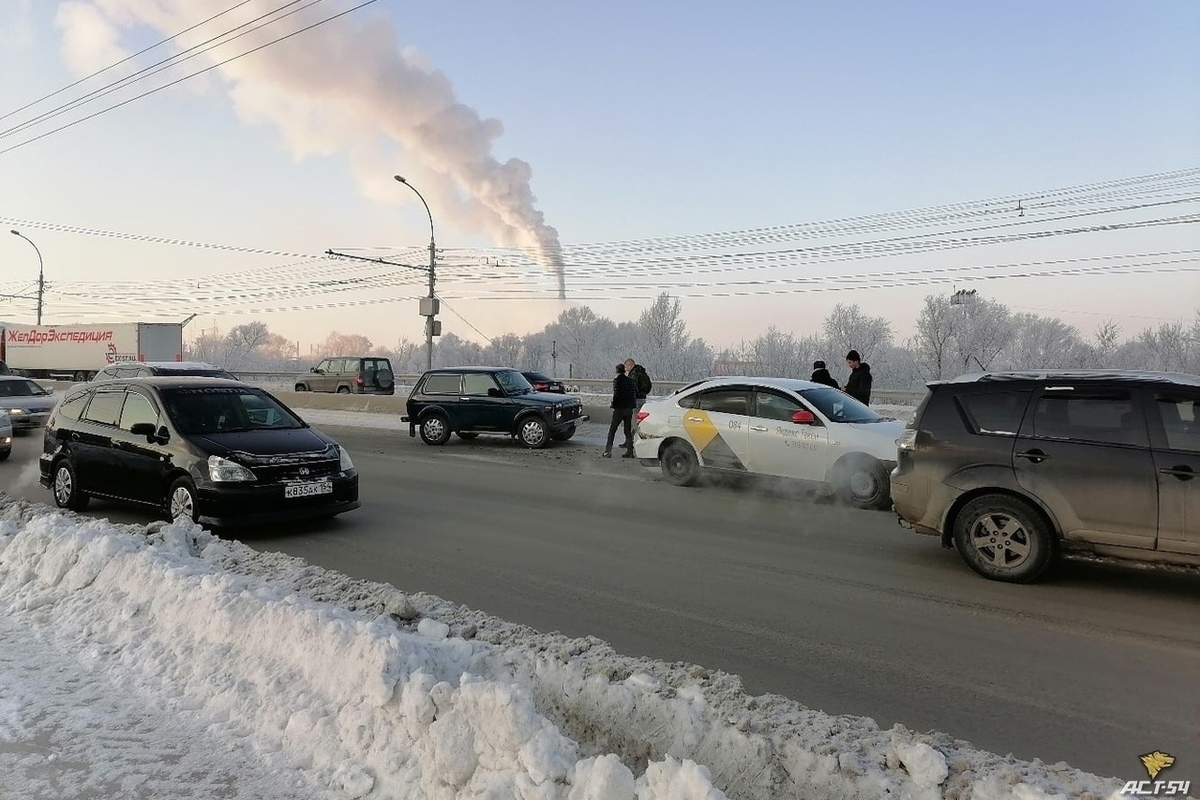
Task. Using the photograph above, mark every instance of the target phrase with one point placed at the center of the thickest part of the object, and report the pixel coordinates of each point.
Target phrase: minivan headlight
(345, 463)
(222, 470)
(908, 440)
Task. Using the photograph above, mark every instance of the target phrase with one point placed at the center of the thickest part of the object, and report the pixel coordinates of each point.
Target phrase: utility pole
(429, 305)
(41, 292)
(554, 359)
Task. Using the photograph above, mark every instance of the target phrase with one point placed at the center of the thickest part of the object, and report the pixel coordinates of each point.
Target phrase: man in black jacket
(821, 375)
(858, 385)
(623, 404)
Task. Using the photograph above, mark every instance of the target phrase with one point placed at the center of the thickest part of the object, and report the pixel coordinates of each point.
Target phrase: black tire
(300, 387)
(385, 380)
(5, 454)
(679, 464)
(64, 486)
(181, 502)
(563, 436)
(863, 483)
(343, 390)
(435, 430)
(1004, 538)
(467, 436)
(533, 432)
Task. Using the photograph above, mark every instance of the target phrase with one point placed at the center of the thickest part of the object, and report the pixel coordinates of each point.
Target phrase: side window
(443, 383)
(477, 384)
(335, 365)
(323, 366)
(725, 401)
(105, 408)
(769, 405)
(137, 409)
(994, 413)
(72, 405)
(1103, 417)
(1180, 417)
(377, 364)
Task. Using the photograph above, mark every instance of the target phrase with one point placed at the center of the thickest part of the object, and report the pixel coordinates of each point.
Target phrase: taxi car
(777, 427)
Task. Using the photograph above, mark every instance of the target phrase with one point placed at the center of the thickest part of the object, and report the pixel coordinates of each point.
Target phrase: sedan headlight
(222, 470)
(345, 463)
(17, 412)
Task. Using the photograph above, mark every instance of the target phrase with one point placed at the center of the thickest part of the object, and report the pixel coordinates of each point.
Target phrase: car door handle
(1183, 472)
(1036, 456)
(759, 428)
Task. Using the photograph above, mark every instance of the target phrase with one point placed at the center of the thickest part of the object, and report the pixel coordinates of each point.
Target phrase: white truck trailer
(78, 352)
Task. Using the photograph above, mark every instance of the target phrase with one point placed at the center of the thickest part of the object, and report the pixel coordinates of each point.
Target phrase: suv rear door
(1175, 434)
(1083, 450)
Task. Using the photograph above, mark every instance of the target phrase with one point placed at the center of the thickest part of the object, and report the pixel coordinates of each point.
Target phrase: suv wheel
(300, 387)
(343, 390)
(863, 482)
(1003, 538)
(66, 488)
(533, 433)
(679, 464)
(435, 430)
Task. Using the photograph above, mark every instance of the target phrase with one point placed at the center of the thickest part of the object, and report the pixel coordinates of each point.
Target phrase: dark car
(26, 401)
(469, 401)
(541, 382)
(349, 375)
(1014, 469)
(217, 452)
(146, 369)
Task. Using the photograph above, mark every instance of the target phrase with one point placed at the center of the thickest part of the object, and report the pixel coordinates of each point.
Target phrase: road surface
(839, 609)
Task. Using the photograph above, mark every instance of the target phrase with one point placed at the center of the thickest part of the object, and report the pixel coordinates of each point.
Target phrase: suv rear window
(376, 365)
(443, 383)
(994, 413)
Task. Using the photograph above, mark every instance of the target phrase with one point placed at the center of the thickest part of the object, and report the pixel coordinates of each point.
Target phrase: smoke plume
(343, 88)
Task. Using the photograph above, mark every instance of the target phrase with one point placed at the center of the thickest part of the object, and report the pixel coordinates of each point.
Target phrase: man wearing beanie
(821, 375)
(858, 385)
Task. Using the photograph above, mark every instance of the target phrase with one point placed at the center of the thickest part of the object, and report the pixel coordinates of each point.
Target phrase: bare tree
(243, 340)
(848, 328)
(981, 331)
(662, 324)
(1044, 342)
(932, 342)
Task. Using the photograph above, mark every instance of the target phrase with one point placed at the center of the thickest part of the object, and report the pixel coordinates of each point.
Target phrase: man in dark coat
(858, 385)
(623, 404)
(641, 380)
(821, 375)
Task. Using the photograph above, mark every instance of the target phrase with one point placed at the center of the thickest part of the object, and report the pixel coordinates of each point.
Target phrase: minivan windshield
(21, 388)
(219, 409)
(837, 406)
(514, 382)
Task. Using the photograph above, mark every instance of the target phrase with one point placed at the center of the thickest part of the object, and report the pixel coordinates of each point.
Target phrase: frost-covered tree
(848, 328)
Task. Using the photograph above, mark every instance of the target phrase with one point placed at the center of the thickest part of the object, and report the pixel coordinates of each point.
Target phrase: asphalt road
(839, 609)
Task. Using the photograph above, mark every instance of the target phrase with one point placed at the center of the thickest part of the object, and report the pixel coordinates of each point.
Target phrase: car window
(443, 383)
(376, 365)
(477, 383)
(772, 405)
(837, 406)
(323, 366)
(336, 365)
(1102, 417)
(105, 408)
(513, 382)
(211, 410)
(725, 401)
(72, 405)
(1180, 417)
(994, 413)
(137, 409)
(22, 388)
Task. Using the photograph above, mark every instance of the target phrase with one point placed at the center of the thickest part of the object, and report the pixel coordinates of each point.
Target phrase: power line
(464, 319)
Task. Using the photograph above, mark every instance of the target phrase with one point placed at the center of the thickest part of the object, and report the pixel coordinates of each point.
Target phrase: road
(839, 609)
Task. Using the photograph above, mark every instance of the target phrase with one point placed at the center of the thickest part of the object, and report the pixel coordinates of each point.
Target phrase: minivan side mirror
(804, 418)
(146, 429)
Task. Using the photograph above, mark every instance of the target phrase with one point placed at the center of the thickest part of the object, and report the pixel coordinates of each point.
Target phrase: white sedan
(771, 426)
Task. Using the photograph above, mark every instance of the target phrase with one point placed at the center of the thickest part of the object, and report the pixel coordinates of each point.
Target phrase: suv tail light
(641, 415)
(358, 379)
(907, 440)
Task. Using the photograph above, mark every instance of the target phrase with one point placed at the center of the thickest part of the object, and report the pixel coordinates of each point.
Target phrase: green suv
(350, 375)
(468, 401)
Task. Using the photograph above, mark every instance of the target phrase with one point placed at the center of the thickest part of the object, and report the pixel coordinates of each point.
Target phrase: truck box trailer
(78, 352)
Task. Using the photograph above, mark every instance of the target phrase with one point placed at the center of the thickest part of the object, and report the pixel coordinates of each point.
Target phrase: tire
(300, 387)
(863, 483)
(180, 502)
(5, 454)
(679, 464)
(1004, 538)
(385, 380)
(467, 436)
(533, 432)
(343, 390)
(65, 487)
(565, 436)
(435, 430)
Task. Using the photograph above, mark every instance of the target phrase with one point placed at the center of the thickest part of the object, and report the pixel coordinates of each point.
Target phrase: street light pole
(429, 309)
(41, 273)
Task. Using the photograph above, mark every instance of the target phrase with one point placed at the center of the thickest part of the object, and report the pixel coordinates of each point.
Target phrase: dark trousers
(620, 416)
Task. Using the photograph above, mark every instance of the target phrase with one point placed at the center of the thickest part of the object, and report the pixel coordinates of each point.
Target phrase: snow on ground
(162, 661)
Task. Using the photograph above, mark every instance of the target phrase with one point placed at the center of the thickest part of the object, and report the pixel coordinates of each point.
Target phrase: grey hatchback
(1014, 469)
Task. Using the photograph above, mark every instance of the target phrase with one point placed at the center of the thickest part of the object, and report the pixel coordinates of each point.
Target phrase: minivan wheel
(1003, 538)
(863, 482)
(66, 488)
(679, 464)
(181, 500)
(534, 433)
(435, 430)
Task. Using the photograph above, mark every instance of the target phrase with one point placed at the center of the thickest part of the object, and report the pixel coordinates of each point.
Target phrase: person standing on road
(821, 375)
(858, 385)
(624, 402)
(641, 380)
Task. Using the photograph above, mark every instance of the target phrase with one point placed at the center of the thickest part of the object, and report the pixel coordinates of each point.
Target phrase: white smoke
(346, 88)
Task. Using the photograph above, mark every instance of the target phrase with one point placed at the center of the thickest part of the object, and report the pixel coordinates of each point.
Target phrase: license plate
(307, 489)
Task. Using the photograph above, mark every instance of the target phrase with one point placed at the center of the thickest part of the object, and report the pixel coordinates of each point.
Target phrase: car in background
(776, 427)
(468, 401)
(541, 382)
(146, 369)
(349, 375)
(205, 449)
(1014, 469)
(27, 402)
(6, 434)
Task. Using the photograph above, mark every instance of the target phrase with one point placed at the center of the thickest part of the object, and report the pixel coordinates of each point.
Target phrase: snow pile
(353, 689)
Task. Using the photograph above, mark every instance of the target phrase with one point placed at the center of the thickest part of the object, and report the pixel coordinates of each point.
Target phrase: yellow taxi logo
(1156, 762)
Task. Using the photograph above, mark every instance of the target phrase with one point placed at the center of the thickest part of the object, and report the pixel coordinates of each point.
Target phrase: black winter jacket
(624, 392)
(858, 385)
(822, 376)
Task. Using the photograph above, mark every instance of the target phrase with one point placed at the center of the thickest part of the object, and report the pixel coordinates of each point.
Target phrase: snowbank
(360, 690)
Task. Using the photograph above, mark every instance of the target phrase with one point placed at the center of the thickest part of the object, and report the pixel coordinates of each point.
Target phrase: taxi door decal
(713, 449)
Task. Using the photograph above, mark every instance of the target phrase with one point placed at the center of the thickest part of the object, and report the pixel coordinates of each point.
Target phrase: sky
(254, 675)
(551, 141)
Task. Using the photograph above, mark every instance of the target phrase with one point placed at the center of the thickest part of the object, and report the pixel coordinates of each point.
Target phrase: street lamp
(429, 305)
(41, 273)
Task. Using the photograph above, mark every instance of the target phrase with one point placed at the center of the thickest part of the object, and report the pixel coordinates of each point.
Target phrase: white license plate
(307, 489)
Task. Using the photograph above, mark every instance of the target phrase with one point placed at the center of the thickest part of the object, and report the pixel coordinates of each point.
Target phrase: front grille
(309, 471)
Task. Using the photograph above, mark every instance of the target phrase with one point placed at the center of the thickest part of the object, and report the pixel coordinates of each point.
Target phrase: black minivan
(212, 450)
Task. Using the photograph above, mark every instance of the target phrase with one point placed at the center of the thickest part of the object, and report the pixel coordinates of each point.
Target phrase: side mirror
(804, 418)
(494, 392)
(146, 429)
